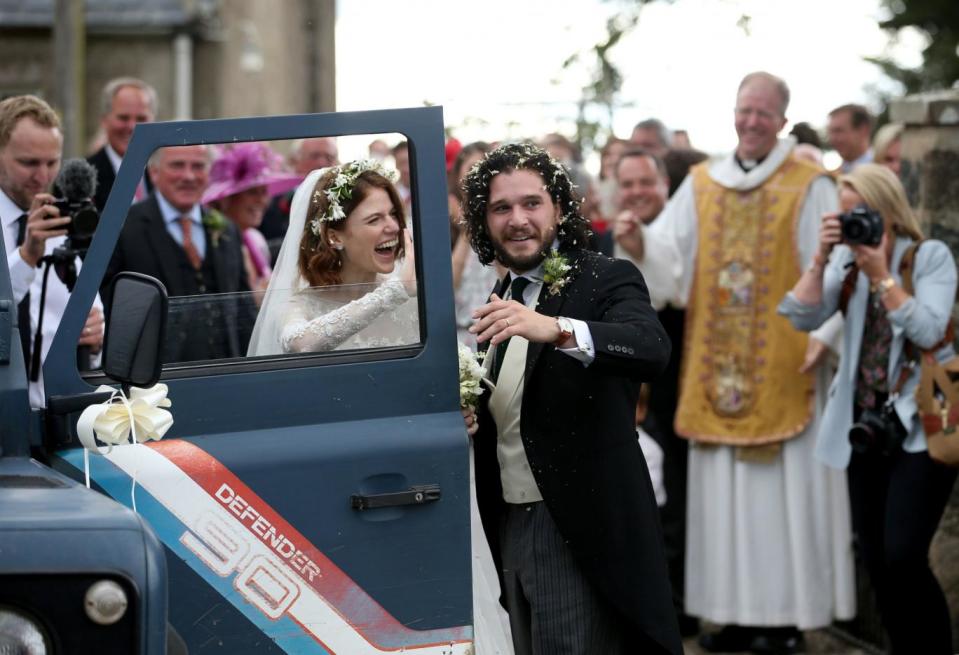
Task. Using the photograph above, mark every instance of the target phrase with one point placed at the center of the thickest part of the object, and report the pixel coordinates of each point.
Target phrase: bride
(335, 287)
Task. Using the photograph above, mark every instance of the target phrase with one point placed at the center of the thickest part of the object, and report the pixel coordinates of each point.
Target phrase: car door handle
(416, 495)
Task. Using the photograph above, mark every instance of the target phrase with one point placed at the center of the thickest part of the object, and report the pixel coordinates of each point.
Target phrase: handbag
(937, 396)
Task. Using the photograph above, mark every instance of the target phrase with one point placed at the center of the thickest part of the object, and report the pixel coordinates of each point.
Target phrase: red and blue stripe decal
(253, 557)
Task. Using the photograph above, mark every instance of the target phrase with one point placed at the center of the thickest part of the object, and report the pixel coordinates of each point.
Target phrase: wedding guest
(243, 178)
(571, 337)
(897, 492)
(606, 187)
(849, 130)
(404, 185)
(171, 237)
(306, 155)
(887, 146)
(653, 136)
(124, 102)
(472, 281)
(678, 161)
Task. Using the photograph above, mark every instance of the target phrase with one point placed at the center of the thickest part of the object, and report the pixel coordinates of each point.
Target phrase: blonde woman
(897, 492)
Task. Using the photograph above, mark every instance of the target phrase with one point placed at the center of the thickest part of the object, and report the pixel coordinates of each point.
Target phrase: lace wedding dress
(323, 319)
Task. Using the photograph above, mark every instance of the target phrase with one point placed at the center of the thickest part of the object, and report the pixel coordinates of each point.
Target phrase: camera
(84, 219)
(877, 431)
(861, 225)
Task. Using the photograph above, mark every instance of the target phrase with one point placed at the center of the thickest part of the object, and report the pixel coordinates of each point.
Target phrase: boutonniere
(556, 269)
(215, 223)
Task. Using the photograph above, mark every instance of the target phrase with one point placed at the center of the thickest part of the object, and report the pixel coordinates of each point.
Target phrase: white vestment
(767, 544)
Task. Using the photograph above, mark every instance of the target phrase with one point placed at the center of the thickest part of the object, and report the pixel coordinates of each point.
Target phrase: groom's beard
(529, 262)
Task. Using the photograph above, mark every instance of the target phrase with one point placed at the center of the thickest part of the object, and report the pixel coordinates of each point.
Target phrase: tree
(938, 20)
(602, 90)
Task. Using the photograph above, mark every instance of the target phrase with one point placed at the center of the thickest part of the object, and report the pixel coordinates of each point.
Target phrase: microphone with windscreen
(78, 183)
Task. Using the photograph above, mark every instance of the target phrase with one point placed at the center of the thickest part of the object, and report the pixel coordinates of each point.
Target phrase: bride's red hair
(319, 263)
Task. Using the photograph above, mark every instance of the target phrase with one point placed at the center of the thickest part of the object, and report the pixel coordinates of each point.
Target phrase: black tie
(516, 289)
(23, 308)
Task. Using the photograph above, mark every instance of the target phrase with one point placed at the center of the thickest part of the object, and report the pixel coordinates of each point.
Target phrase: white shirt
(24, 278)
(864, 158)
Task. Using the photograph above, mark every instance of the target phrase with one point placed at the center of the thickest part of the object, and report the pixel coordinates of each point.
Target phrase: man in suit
(850, 132)
(125, 101)
(562, 485)
(170, 237)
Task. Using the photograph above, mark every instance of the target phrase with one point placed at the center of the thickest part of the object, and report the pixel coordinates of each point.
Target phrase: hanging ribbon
(123, 421)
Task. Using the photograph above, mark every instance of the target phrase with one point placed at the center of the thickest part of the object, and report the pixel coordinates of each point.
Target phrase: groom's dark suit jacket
(211, 327)
(578, 429)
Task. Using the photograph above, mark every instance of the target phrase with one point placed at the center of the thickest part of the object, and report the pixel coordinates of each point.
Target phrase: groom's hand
(499, 320)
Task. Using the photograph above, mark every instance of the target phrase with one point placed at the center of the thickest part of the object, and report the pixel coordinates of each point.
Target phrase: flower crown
(341, 189)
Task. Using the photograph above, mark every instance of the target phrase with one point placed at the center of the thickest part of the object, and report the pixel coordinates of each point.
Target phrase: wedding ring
(507, 323)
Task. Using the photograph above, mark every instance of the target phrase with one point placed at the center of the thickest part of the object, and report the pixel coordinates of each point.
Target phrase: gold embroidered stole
(740, 382)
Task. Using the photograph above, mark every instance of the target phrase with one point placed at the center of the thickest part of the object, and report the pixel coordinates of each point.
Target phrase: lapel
(215, 253)
(167, 251)
(106, 168)
(550, 304)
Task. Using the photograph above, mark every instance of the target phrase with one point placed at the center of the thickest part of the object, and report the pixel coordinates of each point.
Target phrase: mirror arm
(63, 405)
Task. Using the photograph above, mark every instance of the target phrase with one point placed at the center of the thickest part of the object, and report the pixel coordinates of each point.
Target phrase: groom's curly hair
(573, 230)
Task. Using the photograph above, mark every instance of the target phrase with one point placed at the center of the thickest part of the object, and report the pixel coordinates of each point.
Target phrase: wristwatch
(565, 330)
(883, 286)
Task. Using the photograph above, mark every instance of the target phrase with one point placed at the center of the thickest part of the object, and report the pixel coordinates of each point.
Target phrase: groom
(563, 490)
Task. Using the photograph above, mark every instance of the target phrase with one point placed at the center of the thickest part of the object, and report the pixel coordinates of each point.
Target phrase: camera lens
(85, 221)
(861, 437)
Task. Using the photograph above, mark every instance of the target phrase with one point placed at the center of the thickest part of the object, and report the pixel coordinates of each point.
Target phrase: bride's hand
(408, 272)
(469, 418)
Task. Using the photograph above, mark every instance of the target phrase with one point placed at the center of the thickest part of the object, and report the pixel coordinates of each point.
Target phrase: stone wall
(930, 172)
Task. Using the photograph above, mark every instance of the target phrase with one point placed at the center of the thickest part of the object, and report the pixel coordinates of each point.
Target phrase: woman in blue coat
(870, 424)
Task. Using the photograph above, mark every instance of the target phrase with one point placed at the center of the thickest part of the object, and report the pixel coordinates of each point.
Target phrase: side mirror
(135, 330)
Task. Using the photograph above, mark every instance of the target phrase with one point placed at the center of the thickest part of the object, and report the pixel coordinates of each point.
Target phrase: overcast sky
(496, 65)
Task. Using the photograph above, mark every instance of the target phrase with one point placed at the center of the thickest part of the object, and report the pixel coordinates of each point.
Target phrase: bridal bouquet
(471, 376)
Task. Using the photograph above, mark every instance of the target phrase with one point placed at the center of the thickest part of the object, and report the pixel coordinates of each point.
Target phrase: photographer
(870, 423)
(30, 151)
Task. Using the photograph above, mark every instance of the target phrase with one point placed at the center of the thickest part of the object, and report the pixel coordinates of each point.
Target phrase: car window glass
(210, 222)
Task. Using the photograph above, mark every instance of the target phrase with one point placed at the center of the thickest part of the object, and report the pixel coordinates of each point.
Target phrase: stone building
(930, 172)
(206, 58)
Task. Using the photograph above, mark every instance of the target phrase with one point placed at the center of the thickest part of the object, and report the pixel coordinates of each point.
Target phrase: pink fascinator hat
(244, 166)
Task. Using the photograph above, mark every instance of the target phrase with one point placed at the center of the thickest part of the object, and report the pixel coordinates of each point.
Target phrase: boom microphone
(77, 180)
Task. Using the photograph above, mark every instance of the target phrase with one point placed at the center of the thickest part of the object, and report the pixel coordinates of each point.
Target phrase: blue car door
(314, 503)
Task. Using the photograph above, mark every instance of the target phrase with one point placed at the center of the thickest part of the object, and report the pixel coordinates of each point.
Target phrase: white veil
(286, 279)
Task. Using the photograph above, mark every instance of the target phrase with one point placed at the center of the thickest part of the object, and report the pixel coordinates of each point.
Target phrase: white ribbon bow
(129, 421)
